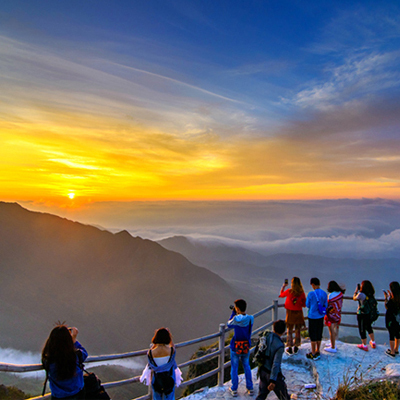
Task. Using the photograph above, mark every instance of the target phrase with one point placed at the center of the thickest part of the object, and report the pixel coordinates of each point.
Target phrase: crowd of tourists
(63, 355)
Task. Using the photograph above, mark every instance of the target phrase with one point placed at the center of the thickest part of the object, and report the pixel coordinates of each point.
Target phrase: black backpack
(164, 382)
(370, 307)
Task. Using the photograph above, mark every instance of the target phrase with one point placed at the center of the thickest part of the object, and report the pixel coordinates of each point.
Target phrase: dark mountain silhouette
(117, 289)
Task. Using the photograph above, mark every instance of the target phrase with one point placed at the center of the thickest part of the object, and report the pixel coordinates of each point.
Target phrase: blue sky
(226, 100)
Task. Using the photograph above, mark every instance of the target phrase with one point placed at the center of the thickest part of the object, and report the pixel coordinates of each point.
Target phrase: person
(392, 318)
(240, 345)
(333, 313)
(316, 302)
(271, 378)
(361, 294)
(63, 363)
(161, 361)
(294, 303)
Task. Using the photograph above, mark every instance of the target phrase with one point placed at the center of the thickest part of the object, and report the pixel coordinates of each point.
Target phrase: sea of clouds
(356, 228)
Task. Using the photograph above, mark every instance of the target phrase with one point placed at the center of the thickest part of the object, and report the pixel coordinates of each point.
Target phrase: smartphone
(286, 281)
(358, 286)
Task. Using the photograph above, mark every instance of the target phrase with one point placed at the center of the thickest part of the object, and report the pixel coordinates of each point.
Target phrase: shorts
(315, 329)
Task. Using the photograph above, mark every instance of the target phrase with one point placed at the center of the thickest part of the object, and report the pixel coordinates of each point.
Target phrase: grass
(355, 387)
(374, 390)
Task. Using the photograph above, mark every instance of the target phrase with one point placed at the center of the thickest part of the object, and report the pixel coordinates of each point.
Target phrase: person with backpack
(366, 313)
(268, 356)
(161, 370)
(316, 302)
(240, 345)
(63, 363)
(333, 313)
(294, 303)
(392, 319)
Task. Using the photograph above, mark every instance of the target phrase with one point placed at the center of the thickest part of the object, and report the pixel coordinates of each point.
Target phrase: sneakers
(289, 351)
(372, 344)
(234, 393)
(312, 356)
(295, 350)
(362, 347)
(389, 353)
(250, 392)
(330, 349)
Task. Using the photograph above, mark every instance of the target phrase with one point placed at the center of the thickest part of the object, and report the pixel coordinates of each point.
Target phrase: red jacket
(294, 303)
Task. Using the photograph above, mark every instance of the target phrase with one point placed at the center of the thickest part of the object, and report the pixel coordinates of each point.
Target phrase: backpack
(370, 307)
(163, 382)
(262, 352)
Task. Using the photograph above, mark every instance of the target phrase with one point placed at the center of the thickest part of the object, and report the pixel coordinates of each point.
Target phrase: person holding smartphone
(294, 303)
(63, 364)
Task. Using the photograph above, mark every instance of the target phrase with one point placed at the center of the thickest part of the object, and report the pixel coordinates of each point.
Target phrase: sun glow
(71, 195)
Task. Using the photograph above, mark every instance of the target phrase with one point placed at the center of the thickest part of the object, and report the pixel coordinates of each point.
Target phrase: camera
(231, 307)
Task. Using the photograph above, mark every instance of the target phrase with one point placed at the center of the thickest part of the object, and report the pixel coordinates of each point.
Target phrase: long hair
(297, 287)
(367, 288)
(395, 289)
(60, 350)
(334, 287)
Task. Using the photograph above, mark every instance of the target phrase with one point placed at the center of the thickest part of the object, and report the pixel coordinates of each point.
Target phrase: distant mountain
(117, 289)
(263, 275)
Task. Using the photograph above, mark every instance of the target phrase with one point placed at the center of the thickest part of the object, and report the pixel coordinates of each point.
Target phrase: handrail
(4, 367)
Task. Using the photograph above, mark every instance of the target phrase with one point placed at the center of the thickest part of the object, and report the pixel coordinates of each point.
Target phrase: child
(333, 313)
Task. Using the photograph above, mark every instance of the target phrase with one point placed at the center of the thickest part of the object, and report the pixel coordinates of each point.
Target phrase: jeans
(159, 396)
(245, 359)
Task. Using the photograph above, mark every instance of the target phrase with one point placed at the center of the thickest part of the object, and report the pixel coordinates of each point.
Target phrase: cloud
(362, 228)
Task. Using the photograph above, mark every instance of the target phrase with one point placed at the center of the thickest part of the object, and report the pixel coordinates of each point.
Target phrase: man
(240, 345)
(316, 302)
(271, 378)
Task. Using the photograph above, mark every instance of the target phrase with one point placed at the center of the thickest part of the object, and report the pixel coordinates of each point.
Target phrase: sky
(180, 100)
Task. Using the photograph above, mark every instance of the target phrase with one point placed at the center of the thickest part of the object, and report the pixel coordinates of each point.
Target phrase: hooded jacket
(242, 325)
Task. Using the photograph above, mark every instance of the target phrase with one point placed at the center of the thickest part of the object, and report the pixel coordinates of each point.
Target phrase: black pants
(364, 325)
(280, 386)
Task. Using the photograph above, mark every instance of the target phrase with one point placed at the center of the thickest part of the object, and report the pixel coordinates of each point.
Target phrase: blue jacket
(312, 304)
(242, 325)
(71, 386)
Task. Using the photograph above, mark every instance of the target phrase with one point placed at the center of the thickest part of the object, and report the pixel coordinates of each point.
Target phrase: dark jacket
(274, 354)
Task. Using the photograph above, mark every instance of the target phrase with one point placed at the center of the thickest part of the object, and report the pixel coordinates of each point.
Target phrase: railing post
(275, 311)
(221, 358)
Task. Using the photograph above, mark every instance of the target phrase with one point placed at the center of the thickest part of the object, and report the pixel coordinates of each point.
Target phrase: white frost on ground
(327, 372)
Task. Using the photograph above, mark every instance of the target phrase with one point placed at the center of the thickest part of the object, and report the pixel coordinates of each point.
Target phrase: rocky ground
(326, 373)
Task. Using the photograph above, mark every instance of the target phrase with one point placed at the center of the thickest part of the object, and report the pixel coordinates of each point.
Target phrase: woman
(294, 303)
(161, 361)
(361, 294)
(63, 363)
(392, 304)
(333, 313)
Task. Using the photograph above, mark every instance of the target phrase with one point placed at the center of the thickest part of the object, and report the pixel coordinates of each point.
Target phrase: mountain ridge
(115, 287)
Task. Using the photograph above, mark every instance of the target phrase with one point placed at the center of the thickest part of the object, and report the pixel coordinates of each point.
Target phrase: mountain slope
(264, 274)
(114, 287)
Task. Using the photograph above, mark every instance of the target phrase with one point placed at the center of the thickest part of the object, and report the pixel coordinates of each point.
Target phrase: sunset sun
(71, 195)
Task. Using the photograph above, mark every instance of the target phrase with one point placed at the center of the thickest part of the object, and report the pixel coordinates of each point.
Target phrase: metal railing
(220, 353)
